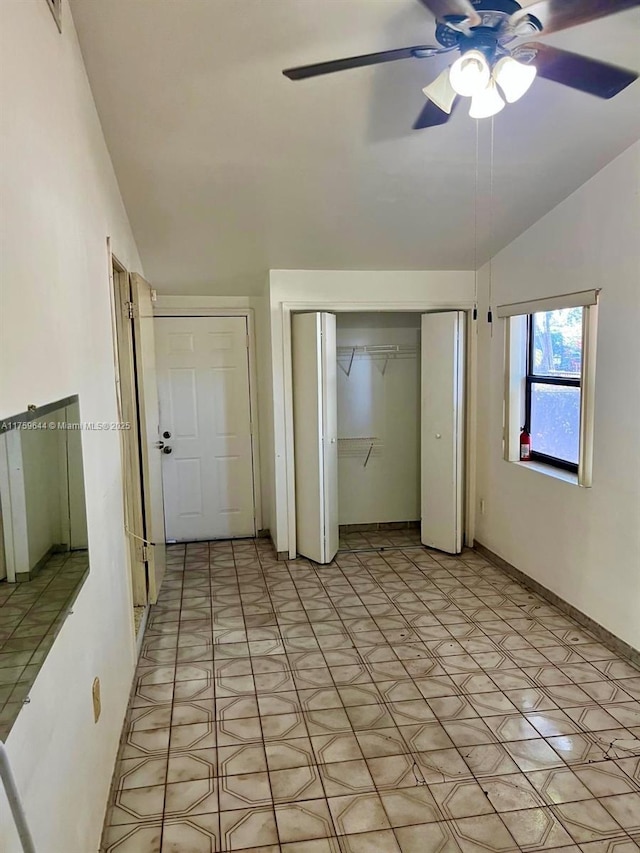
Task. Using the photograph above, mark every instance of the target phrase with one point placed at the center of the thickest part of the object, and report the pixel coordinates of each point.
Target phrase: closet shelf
(379, 349)
(382, 351)
(366, 446)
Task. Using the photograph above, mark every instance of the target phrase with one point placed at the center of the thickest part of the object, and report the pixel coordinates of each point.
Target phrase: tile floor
(405, 537)
(31, 615)
(388, 703)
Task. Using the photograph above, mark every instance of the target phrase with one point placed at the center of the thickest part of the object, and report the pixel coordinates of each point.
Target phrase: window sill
(550, 471)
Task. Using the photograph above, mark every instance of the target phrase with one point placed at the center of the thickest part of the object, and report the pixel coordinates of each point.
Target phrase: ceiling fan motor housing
(494, 15)
(484, 39)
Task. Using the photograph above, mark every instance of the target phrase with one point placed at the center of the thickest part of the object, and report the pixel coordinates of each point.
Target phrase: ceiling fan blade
(560, 14)
(305, 71)
(432, 116)
(440, 9)
(580, 72)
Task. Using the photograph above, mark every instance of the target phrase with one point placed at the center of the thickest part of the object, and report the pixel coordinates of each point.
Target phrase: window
(552, 400)
(550, 370)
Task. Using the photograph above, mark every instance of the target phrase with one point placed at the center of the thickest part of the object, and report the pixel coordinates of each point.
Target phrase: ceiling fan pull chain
(489, 312)
(475, 224)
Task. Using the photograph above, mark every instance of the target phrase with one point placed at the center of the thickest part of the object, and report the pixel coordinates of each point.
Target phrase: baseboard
(141, 629)
(603, 635)
(280, 555)
(34, 571)
(374, 526)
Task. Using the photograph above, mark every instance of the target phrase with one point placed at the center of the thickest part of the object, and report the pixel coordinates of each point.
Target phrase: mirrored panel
(43, 541)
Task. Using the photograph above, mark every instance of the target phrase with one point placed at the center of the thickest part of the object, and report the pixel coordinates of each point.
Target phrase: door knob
(438, 435)
(166, 449)
(166, 434)
(159, 444)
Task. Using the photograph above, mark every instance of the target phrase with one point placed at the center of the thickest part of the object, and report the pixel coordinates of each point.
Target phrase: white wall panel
(61, 201)
(583, 544)
(386, 407)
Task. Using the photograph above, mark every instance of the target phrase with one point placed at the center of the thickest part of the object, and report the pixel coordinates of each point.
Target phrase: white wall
(41, 468)
(584, 544)
(340, 290)
(386, 407)
(60, 200)
(265, 405)
(75, 481)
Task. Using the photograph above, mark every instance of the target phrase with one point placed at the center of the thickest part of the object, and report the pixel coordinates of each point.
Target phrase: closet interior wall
(378, 417)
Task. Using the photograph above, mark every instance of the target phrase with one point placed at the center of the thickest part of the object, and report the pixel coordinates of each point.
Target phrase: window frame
(515, 316)
(532, 378)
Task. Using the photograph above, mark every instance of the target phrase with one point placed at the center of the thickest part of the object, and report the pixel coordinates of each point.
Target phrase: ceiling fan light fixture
(514, 78)
(441, 92)
(486, 103)
(470, 73)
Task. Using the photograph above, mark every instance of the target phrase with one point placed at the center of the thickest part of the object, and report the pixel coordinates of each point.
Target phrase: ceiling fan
(498, 61)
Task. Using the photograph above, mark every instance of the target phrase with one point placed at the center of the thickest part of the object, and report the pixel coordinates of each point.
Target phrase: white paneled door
(315, 418)
(205, 423)
(442, 366)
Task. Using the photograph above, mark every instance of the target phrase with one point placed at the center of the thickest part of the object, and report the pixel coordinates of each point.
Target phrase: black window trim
(532, 378)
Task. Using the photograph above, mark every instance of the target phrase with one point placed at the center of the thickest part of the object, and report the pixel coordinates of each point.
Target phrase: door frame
(14, 509)
(142, 299)
(160, 311)
(470, 416)
(130, 448)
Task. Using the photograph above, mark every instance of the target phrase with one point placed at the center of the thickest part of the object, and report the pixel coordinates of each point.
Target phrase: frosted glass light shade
(486, 103)
(513, 77)
(441, 92)
(470, 73)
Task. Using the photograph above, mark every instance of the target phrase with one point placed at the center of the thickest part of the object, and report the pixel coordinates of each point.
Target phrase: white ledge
(550, 471)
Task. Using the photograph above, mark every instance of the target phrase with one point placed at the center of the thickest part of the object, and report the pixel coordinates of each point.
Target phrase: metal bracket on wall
(347, 371)
(366, 446)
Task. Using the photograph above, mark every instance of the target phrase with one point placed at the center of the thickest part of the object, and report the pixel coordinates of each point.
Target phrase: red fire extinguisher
(525, 445)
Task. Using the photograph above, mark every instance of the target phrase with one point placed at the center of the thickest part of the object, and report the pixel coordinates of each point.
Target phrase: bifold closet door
(147, 387)
(315, 428)
(442, 381)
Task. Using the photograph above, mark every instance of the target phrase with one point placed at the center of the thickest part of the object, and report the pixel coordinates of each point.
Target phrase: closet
(377, 415)
(378, 400)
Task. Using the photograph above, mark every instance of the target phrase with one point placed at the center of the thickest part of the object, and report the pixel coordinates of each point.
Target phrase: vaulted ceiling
(228, 169)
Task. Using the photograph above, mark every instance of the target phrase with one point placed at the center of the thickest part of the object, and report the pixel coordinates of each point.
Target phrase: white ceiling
(228, 169)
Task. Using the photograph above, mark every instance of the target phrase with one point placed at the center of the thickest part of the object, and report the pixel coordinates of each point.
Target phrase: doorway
(378, 388)
(378, 430)
(204, 385)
